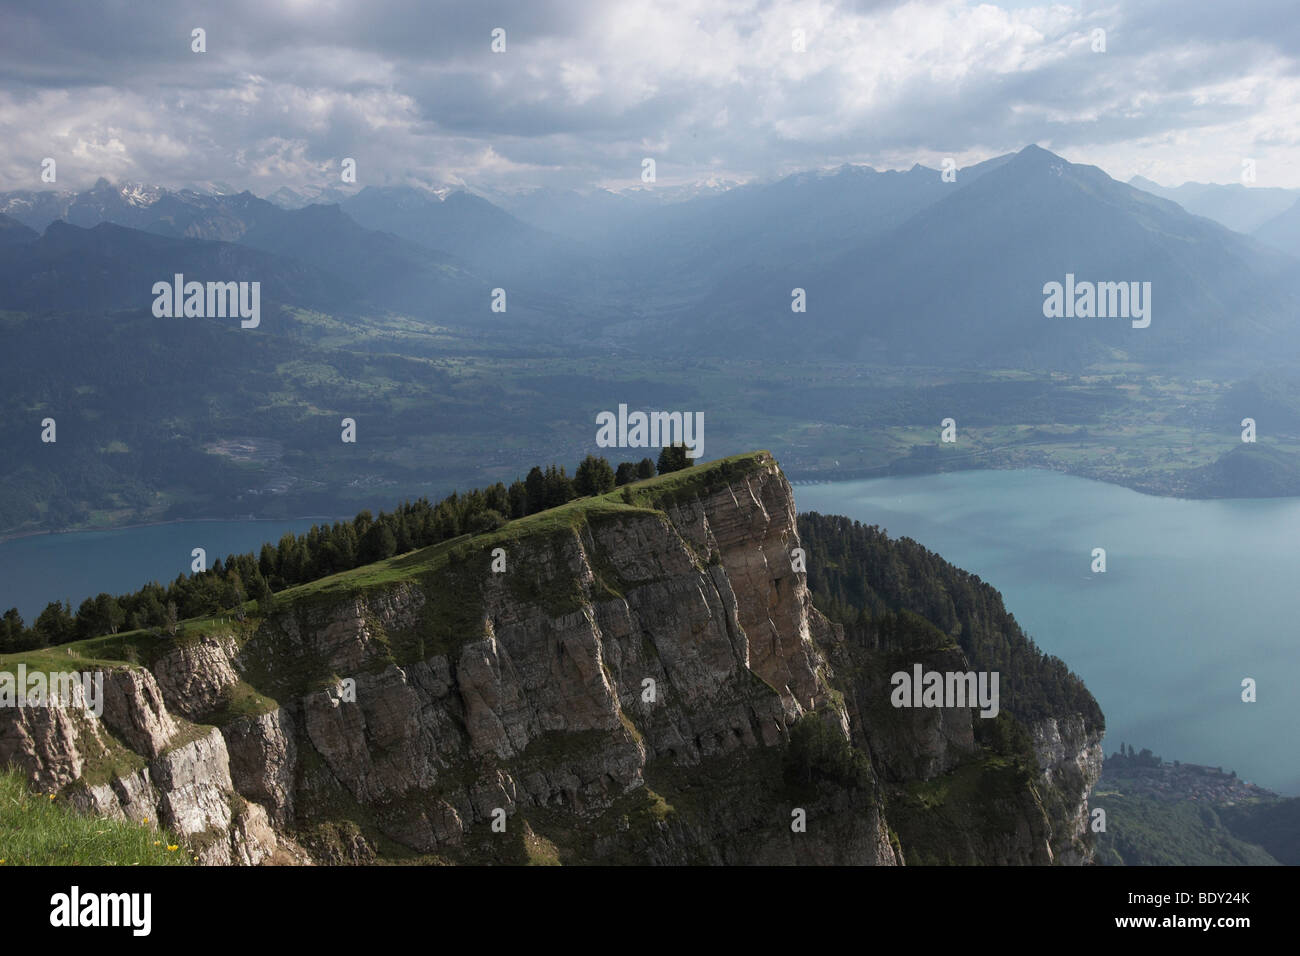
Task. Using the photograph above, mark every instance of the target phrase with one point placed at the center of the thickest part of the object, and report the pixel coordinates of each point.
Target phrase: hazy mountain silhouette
(375, 267)
(1283, 230)
(1239, 207)
(896, 266)
(961, 281)
(110, 267)
(13, 232)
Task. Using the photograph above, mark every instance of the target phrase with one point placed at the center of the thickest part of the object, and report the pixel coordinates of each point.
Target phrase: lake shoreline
(247, 519)
(798, 479)
(897, 468)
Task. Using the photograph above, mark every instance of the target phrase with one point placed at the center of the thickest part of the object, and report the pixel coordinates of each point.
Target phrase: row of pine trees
(324, 550)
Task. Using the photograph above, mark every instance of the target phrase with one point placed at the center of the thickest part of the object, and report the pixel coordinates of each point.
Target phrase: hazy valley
(392, 324)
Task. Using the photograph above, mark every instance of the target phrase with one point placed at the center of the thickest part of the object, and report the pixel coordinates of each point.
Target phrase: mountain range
(897, 266)
(923, 294)
(1283, 230)
(1269, 213)
(1240, 207)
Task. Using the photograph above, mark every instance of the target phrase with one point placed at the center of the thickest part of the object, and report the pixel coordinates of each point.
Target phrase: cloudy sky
(712, 89)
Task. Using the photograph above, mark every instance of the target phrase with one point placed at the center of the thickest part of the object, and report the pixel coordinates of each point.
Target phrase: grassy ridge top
(648, 496)
(645, 497)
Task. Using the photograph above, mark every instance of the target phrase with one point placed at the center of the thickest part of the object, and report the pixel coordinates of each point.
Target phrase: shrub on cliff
(818, 752)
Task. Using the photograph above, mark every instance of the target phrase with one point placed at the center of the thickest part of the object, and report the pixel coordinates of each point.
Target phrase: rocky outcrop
(134, 710)
(623, 692)
(263, 755)
(188, 789)
(51, 745)
(193, 676)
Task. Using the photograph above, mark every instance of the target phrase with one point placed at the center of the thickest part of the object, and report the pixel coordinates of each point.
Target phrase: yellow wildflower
(173, 848)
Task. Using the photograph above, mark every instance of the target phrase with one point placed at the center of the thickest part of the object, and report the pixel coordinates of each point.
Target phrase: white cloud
(709, 87)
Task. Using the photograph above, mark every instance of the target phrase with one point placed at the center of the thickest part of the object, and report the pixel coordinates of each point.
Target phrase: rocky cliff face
(623, 691)
(1070, 758)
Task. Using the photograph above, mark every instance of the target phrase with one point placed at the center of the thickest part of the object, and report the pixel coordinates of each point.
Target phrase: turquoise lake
(72, 567)
(1197, 595)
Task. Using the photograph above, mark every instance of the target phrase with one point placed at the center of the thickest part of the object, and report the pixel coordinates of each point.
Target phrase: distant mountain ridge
(1283, 230)
(354, 266)
(1240, 207)
(961, 281)
(904, 267)
(477, 232)
(110, 267)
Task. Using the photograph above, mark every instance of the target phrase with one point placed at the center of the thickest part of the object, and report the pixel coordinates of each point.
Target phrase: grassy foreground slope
(36, 830)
